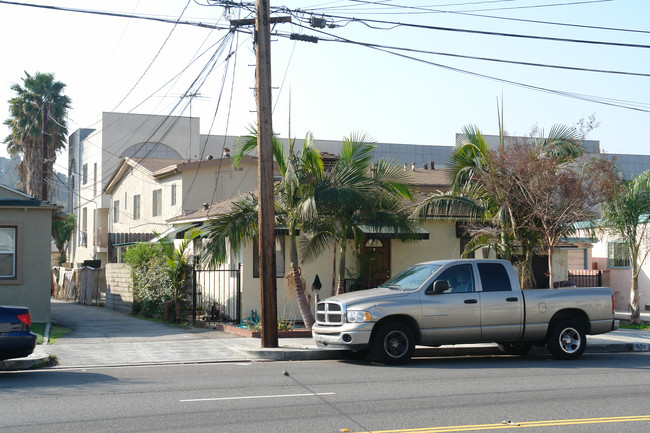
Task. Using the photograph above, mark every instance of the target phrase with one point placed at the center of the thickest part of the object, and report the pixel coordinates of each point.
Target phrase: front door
(375, 262)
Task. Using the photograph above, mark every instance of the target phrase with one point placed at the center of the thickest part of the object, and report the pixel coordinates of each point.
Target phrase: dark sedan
(16, 339)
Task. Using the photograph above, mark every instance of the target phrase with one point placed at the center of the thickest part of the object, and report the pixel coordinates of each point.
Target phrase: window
(116, 211)
(95, 179)
(173, 194)
(84, 175)
(494, 277)
(126, 200)
(618, 255)
(8, 253)
(136, 207)
(84, 227)
(156, 199)
(460, 278)
(279, 258)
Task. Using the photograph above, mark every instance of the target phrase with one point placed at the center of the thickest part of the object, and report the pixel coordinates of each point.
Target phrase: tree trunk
(334, 272)
(634, 297)
(341, 286)
(550, 268)
(298, 283)
(303, 304)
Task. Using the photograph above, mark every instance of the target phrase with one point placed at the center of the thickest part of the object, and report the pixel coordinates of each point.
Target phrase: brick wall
(119, 287)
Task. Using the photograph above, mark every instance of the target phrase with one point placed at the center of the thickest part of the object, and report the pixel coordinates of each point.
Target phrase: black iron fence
(586, 277)
(216, 294)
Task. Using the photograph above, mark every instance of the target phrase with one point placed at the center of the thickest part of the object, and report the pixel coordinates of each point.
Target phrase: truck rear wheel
(566, 339)
(393, 343)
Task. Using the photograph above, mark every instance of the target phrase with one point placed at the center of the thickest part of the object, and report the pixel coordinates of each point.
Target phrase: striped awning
(385, 232)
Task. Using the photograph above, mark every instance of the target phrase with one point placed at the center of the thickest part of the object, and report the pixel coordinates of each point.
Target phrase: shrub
(152, 287)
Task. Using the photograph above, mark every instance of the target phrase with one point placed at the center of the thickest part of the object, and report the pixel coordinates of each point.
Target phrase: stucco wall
(442, 244)
(138, 183)
(33, 288)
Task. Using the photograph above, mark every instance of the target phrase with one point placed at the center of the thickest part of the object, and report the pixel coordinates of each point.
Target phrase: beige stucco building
(95, 154)
(25, 252)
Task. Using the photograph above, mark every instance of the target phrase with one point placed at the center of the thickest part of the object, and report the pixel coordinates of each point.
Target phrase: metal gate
(216, 294)
(586, 277)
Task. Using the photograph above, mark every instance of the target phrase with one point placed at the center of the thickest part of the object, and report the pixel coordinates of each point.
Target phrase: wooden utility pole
(44, 188)
(266, 216)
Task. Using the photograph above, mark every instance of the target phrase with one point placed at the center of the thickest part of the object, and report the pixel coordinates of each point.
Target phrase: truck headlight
(358, 316)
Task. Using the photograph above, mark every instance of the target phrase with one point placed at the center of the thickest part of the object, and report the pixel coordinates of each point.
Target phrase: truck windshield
(411, 278)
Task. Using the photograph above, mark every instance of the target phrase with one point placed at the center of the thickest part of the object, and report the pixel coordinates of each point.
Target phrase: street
(598, 393)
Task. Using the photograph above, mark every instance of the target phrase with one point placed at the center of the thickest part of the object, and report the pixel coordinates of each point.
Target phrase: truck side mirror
(440, 286)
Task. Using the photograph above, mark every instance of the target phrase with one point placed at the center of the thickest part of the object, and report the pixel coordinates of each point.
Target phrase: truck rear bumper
(341, 338)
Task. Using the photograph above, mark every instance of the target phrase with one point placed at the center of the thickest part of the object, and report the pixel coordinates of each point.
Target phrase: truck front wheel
(393, 343)
(566, 340)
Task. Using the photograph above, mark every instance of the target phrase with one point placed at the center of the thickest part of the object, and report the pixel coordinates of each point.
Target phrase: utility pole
(266, 216)
(44, 189)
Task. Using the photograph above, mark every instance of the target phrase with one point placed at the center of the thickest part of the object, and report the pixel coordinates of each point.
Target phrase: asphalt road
(328, 396)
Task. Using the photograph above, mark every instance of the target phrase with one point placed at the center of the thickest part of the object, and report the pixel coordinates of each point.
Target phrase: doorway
(375, 262)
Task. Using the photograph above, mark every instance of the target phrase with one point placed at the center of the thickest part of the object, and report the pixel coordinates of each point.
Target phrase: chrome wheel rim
(570, 340)
(396, 344)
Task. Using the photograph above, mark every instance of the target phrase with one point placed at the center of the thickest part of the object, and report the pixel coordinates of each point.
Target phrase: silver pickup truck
(459, 302)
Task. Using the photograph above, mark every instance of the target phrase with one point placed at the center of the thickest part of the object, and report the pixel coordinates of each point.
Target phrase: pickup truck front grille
(329, 313)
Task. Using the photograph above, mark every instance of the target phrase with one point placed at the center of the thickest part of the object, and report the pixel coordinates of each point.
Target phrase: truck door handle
(513, 299)
(471, 301)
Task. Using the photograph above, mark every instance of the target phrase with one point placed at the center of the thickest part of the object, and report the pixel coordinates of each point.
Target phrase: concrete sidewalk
(102, 337)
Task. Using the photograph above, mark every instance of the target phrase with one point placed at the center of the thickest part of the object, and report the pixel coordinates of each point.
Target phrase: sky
(349, 81)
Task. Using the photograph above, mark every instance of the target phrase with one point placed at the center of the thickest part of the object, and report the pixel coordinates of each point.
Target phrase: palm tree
(37, 124)
(177, 260)
(353, 193)
(471, 198)
(294, 204)
(627, 216)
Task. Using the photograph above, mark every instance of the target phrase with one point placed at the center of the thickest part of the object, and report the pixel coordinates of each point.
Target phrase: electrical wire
(599, 100)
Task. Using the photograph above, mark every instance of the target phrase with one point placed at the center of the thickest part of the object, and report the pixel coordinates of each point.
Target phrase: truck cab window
(494, 277)
(460, 278)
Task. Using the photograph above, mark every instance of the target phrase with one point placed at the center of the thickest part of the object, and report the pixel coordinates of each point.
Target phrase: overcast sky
(341, 84)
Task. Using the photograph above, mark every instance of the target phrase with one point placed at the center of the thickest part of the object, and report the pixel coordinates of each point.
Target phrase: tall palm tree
(37, 124)
(353, 193)
(294, 204)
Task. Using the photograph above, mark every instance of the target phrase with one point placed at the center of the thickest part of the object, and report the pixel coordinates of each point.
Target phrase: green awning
(385, 232)
(172, 232)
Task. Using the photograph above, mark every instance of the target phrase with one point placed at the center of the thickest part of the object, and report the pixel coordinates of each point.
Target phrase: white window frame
(116, 211)
(136, 207)
(9, 250)
(156, 202)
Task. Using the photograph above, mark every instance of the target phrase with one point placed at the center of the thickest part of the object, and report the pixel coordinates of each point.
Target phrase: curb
(309, 354)
(316, 354)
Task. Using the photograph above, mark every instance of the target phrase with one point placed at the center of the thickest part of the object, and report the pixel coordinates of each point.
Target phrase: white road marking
(250, 397)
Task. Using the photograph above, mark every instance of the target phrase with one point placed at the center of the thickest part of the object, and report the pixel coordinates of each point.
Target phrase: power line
(488, 59)
(365, 22)
(117, 14)
(599, 100)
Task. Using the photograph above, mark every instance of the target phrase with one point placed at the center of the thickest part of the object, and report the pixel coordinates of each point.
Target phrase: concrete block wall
(119, 287)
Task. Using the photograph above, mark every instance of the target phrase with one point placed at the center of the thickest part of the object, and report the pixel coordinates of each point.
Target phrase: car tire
(518, 348)
(393, 344)
(566, 339)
